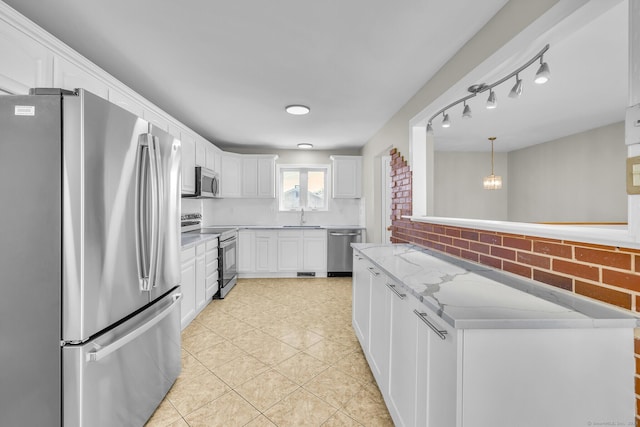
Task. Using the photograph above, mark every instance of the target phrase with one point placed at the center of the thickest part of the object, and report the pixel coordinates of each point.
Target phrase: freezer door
(120, 377)
(168, 273)
(101, 277)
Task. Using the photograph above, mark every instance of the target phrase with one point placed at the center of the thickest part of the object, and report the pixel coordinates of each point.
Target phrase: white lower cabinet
(434, 375)
(281, 252)
(379, 328)
(188, 286)
(361, 299)
(199, 279)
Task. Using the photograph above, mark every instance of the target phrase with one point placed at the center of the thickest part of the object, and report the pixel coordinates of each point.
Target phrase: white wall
(458, 190)
(512, 19)
(578, 178)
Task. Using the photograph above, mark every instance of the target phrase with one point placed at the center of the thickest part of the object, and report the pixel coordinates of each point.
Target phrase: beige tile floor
(274, 352)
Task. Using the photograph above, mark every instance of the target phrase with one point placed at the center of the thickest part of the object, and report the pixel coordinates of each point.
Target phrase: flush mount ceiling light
(492, 182)
(297, 110)
(305, 146)
(542, 76)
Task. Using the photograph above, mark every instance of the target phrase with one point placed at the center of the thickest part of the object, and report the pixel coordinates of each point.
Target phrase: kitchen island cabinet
(469, 346)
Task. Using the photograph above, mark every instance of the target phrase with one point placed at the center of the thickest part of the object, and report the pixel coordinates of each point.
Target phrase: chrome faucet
(302, 221)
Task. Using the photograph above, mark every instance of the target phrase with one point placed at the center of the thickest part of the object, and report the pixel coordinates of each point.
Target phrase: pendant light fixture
(542, 76)
(492, 182)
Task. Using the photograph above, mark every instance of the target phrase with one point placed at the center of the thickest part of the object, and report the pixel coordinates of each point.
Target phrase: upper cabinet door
(69, 76)
(230, 175)
(25, 63)
(347, 177)
(188, 164)
(249, 176)
(267, 177)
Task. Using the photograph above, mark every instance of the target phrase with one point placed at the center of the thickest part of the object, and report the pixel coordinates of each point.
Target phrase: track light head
(466, 113)
(445, 120)
(429, 129)
(543, 74)
(492, 102)
(516, 91)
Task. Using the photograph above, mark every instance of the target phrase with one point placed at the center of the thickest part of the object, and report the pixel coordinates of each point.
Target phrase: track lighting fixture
(516, 91)
(445, 120)
(429, 128)
(466, 112)
(543, 73)
(491, 101)
(542, 76)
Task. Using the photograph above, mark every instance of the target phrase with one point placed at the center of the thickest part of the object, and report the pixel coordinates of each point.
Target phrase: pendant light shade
(492, 102)
(516, 91)
(543, 74)
(445, 121)
(466, 112)
(492, 182)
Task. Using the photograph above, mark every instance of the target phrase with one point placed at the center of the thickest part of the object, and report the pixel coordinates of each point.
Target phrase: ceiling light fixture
(542, 76)
(491, 101)
(492, 182)
(466, 112)
(445, 120)
(516, 91)
(305, 146)
(297, 110)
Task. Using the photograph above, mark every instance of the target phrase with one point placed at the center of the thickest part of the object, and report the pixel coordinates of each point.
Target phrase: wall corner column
(634, 99)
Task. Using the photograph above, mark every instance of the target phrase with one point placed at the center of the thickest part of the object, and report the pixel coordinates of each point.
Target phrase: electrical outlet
(633, 175)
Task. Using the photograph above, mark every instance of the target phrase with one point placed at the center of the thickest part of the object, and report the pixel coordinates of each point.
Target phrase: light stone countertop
(468, 295)
(189, 239)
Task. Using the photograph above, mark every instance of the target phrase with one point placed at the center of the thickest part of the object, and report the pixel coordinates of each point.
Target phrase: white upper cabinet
(70, 76)
(230, 175)
(212, 157)
(188, 163)
(25, 63)
(347, 177)
(201, 152)
(156, 120)
(259, 176)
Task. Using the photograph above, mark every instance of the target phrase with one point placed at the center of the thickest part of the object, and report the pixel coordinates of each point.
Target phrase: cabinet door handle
(423, 316)
(373, 271)
(395, 291)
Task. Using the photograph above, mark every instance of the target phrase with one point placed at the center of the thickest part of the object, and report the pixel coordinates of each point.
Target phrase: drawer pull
(423, 317)
(395, 291)
(373, 271)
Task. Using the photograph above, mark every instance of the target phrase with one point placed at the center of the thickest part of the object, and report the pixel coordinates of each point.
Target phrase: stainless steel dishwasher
(339, 251)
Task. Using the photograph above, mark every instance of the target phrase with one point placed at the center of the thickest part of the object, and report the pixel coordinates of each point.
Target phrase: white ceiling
(588, 59)
(228, 68)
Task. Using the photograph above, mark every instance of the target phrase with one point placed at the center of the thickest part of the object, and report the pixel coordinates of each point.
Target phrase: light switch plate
(633, 175)
(632, 125)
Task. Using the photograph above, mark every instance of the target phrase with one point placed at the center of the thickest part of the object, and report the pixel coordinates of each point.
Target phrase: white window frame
(304, 169)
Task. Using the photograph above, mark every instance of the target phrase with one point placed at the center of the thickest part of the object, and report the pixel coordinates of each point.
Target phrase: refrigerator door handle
(147, 211)
(97, 355)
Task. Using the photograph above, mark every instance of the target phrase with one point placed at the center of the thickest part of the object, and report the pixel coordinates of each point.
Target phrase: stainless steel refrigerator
(89, 262)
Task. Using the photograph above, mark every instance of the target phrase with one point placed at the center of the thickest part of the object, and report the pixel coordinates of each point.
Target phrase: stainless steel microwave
(207, 184)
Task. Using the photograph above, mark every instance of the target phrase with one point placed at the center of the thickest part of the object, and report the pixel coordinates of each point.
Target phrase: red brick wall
(606, 273)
